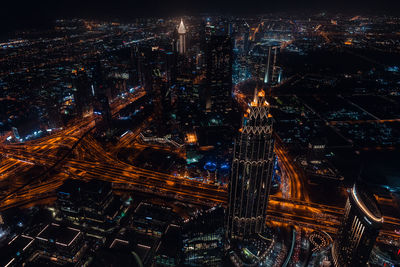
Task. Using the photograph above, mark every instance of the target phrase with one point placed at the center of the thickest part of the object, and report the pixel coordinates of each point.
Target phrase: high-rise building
(135, 66)
(170, 67)
(359, 229)
(219, 58)
(82, 93)
(182, 38)
(246, 36)
(273, 73)
(91, 205)
(251, 172)
(101, 104)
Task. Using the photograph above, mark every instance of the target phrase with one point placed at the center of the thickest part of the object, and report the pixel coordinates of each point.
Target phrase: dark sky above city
(19, 14)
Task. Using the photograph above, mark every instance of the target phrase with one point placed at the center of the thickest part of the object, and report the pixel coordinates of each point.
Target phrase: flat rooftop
(170, 245)
(64, 236)
(119, 244)
(154, 212)
(15, 247)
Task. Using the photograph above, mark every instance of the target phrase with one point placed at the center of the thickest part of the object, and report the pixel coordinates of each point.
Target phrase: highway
(89, 160)
(127, 177)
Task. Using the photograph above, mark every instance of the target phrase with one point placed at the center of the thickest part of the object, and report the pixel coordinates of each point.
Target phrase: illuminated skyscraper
(359, 229)
(251, 172)
(219, 61)
(273, 73)
(182, 38)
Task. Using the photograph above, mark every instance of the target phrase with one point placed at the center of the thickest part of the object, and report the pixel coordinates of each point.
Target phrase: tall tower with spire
(182, 38)
(251, 172)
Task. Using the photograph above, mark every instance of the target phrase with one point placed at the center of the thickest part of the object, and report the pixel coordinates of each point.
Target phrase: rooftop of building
(116, 257)
(181, 28)
(367, 203)
(154, 214)
(170, 243)
(73, 188)
(119, 244)
(15, 247)
(61, 235)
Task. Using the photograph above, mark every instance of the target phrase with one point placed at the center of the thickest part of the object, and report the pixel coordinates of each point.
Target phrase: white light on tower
(182, 38)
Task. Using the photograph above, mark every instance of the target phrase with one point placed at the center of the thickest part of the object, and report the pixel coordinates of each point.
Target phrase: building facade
(219, 60)
(359, 229)
(101, 105)
(251, 172)
(83, 96)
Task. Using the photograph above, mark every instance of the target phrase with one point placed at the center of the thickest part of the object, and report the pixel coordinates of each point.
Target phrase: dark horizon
(21, 15)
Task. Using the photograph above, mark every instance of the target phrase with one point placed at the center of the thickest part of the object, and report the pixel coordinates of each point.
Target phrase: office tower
(92, 205)
(135, 65)
(159, 101)
(182, 38)
(101, 105)
(170, 67)
(140, 62)
(219, 60)
(251, 172)
(258, 61)
(267, 78)
(187, 103)
(82, 93)
(246, 38)
(174, 40)
(269, 71)
(54, 116)
(359, 229)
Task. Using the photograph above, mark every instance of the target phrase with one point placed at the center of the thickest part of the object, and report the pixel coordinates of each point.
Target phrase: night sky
(18, 14)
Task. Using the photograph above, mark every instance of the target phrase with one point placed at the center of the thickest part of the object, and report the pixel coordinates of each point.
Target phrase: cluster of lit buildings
(188, 76)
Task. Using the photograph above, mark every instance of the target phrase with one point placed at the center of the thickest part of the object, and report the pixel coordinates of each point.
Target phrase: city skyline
(204, 140)
(42, 14)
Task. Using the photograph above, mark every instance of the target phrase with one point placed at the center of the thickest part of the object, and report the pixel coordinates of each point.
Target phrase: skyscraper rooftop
(367, 204)
(181, 28)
